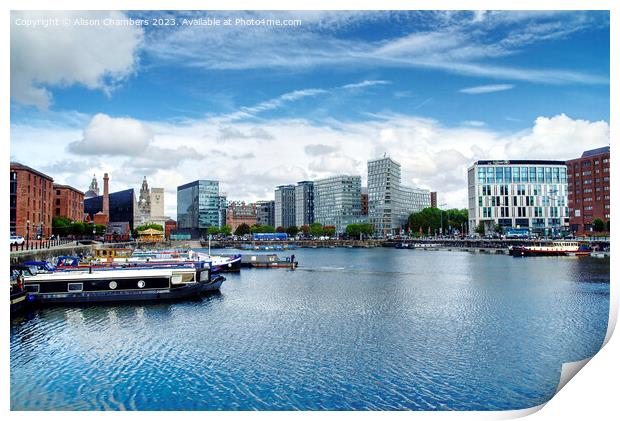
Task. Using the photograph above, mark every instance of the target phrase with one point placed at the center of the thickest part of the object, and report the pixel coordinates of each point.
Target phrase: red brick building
(169, 225)
(433, 199)
(364, 203)
(31, 195)
(239, 213)
(588, 189)
(68, 202)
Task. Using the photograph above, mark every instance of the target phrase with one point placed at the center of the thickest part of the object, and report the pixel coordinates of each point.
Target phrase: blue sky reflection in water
(351, 329)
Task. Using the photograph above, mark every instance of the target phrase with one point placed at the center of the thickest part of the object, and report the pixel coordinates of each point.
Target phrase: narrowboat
(115, 284)
(19, 297)
(556, 248)
(268, 261)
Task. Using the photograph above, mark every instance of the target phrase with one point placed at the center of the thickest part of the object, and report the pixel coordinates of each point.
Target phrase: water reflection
(350, 329)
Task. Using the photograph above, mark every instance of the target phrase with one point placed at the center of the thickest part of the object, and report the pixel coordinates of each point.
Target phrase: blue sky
(436, 90)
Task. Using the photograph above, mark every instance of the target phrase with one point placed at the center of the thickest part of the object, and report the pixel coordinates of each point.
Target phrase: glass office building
(389, 202)
(284, 208)
(338, 201)
(304, 203)
(198, 205)
(518, 194)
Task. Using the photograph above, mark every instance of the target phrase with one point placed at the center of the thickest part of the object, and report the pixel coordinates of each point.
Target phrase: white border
(593, 394)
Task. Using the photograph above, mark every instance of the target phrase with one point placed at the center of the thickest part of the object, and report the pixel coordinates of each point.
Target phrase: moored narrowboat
(115, 285)
(556, 248)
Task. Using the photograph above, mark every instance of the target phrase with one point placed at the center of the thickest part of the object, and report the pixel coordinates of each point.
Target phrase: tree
(315, 229)
(262, 229)
(213, 230)
(280, 229)
(598, 225)
(329, 230)
(242, 229)
(61, 225)
(100, 229)
(608, 230)
(292, 230)
(480, 228)
(226, 230)
(157, 227)
(305, 229)
(355, 230)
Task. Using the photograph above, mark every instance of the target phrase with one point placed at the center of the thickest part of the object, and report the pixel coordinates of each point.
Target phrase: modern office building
(337, 201)
(285, 206)
(121, 207)
(198, 206)
(68, 202)
(239, 212)
(389, 202)
(518, 194)
(223, 203)
(433, 199)
(304, 203)
(30, 199)
(588, 190)
(265, 212)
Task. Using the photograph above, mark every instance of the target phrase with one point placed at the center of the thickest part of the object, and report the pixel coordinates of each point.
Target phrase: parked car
(17, 239)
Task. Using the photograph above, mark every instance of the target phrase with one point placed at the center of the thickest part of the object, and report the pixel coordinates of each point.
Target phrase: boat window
(75, 287)
(34, 288)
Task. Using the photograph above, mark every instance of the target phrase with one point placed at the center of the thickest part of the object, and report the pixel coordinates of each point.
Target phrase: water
(350, 329)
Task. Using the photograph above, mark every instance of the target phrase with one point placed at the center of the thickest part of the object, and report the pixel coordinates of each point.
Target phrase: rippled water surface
(350, 329)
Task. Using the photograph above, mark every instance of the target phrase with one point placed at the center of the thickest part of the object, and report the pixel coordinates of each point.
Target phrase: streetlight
(27, 233)
(441, 212)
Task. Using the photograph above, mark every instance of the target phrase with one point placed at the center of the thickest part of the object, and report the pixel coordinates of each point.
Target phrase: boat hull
(186, 291)
(525, 252)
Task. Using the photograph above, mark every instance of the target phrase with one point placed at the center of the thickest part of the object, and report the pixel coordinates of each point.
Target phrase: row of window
(501, 174)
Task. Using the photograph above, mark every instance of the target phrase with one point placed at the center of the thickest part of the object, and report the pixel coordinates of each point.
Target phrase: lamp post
(441, 213)
(27, 233)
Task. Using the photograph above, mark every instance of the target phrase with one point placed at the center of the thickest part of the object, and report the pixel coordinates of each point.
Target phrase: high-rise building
(223, 204)
(337, 201)
(30, 202)
(285, 206)
(588, 190)
(304, 203)
(239, 212)
(518, 194)
(389, 202)
(265, 212)
(198, 205)
(157, 204)
(68, 202)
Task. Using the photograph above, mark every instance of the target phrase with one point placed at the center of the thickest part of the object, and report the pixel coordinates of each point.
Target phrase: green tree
(305, 229)
(480, 228)
(280, 229)
(61, 225)
(242, 229)
(329, 230)
(213, 230)
(100, 229)
(598, 225)
(355, 230)
(157, 227)
(292, 230)
(608, 230)
(226, 230)
(262, 229)
(315, 229)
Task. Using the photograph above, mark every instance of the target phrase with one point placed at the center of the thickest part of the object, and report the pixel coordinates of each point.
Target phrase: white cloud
(431, 154)
(94, 56)
(486, 89)
(105, 135)
(444, 41)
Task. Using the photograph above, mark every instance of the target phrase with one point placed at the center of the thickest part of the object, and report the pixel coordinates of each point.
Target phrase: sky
(259, 105)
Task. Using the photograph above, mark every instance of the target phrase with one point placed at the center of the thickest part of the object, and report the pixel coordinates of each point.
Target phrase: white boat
(556, 248)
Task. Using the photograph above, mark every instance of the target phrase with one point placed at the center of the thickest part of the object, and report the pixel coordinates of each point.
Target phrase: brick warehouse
(588, 189)
(30, 202)
(68, 202)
